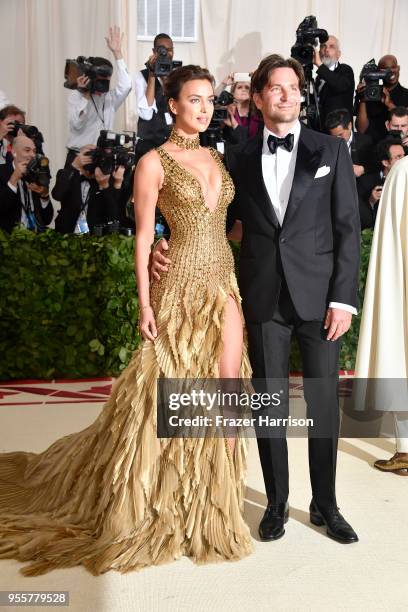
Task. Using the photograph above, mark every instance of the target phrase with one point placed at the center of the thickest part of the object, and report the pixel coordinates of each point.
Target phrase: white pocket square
(322, 171)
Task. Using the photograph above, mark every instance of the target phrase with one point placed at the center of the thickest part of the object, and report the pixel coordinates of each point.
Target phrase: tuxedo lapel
(307, 162)
(256, 185)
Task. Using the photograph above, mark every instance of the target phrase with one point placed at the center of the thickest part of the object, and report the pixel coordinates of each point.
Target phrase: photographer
(89, 198)
(371, 116)
(8, 115)
(243, 121)
(89, 111)
(360, 146)
(22, 200)
(335, 81)
(155, 121)
(369, 186)
(397, 124)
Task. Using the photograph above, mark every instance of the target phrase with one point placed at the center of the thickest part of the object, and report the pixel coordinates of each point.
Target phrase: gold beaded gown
(114, 496)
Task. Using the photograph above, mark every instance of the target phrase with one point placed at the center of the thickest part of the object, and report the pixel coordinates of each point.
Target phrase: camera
(98, 73)
(38, 171)
(163, 65)
(398, 134)
(31, 131)
(111, 151)
(111, 227)
(213, 133)
(308, 36)
(220, 111)
(372, 76)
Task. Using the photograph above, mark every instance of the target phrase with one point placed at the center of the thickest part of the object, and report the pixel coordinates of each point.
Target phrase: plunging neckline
(191, 175)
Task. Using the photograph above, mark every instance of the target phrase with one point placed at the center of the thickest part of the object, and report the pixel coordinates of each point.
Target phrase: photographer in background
(371, 116)
(397, 124)
(8, 115)
(335, 81)
(360, 146)
(24, 194)
(243, 120)
(91, 111)
(155, 121)
(369, 186)
(89, 198)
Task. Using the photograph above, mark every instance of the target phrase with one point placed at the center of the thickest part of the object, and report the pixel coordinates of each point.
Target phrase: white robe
(383, 340)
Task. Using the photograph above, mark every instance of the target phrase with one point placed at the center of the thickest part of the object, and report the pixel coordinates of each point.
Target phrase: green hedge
(69, 309)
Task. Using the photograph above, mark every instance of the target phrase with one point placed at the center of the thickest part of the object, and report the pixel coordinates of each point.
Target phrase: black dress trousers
(269, 348)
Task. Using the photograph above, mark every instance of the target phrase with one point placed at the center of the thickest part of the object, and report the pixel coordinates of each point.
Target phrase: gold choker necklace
(183, 142)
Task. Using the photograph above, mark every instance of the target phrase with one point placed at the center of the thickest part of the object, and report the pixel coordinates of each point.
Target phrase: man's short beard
(285, 118)
(328, 61)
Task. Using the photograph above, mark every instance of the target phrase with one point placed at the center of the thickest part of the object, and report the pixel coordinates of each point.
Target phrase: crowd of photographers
(95, 186)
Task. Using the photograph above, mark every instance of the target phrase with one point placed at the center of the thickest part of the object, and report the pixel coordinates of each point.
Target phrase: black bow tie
(274, 142)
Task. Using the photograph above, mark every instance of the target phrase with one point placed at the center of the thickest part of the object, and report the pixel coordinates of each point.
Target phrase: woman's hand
(231, 121)
(147, 323)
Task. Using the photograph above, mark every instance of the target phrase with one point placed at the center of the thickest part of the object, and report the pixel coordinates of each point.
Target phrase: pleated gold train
(114, 496)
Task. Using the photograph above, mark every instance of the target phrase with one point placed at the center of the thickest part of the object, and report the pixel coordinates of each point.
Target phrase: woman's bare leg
(230, 361)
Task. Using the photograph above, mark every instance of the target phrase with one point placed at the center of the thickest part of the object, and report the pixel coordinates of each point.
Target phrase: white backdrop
(36, 36)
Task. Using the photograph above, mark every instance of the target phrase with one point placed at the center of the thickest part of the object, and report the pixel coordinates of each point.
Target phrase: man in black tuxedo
(297, 202)
(369, 187)
(335, 81)
(360, 146)
(89, 199)
(23, 202)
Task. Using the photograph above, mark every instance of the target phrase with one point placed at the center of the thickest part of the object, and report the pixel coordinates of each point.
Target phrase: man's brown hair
(260, 77)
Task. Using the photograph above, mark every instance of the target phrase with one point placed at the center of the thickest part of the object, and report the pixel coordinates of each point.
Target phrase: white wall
(36, 36)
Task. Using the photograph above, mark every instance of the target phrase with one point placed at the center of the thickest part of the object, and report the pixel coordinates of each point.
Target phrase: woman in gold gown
(115, 496)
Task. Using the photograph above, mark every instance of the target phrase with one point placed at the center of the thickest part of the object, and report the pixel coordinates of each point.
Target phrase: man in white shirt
(89, 113)
(155, 121)
(299, 264)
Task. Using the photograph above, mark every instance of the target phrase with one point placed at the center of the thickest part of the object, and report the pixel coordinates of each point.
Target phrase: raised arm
(148, 181)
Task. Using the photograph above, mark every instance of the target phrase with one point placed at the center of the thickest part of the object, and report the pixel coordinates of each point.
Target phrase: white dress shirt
(87, 117)
(278, 171)
(350, 140)
(143, 109)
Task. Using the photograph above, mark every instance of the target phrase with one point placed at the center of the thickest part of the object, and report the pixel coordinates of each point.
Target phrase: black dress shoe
(337, 526)
(272, 525)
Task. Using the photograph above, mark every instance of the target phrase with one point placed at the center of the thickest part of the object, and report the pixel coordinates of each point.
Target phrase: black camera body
(163, 65)
(99, 74)
(220, 108)
(112, 227)
(111, 151)
(372, 76)
(31, 131)
(308, 36)
(38, 171)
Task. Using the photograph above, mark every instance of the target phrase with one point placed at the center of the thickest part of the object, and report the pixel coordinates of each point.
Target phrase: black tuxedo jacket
(317, 247)
(337, 91)
(103, 205)
(11, 205)
(363, 152)
(365, 184)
